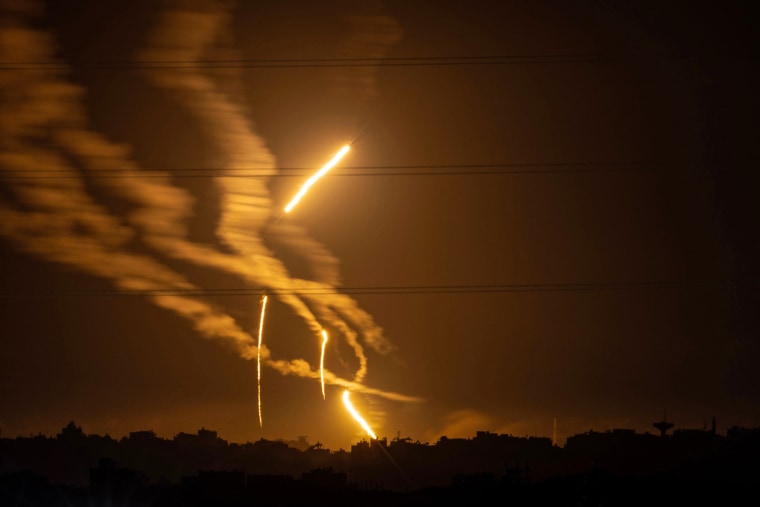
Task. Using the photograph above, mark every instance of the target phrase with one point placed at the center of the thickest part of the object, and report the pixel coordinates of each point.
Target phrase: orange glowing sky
(546, 213)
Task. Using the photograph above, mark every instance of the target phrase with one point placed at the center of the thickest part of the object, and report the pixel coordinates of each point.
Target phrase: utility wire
(423, 61)
(394, 290)
(288, 172)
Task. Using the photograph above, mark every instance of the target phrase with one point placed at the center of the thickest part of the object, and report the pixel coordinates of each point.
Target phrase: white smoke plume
(188, 34)
(55, 218)
(44, 125)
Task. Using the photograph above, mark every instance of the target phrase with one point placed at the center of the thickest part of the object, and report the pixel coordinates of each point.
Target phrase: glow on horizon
(356, 416)
(305, 188)
(258, 355)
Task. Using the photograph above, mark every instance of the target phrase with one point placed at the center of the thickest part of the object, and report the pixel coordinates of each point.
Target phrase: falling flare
(258, 354)
(322, 362)
(356, 416)
(317, 175)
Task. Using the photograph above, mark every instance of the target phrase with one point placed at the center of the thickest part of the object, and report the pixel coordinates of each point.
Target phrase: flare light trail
(305, 188)
(258, 354)
(356, 416)
(322, 362)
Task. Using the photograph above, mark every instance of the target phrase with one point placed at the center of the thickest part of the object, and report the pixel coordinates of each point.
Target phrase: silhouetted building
(204, 438)
(663, 425)
(71, 433)
(204, 469)
(301, 443)
(145, 437)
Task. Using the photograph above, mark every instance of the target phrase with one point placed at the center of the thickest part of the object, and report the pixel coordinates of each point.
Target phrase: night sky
(548, 211)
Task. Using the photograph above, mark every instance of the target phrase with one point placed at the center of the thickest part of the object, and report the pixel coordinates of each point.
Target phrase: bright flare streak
(322, 362)
(356, 416)
(317, 175)
(258, 353)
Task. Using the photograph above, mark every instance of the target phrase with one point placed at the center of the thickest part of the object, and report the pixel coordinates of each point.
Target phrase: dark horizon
(301, 440)
(620, 466)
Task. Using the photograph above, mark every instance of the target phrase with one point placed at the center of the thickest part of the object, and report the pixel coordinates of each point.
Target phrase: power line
(423, 61)
(389, 170)
(394, 290)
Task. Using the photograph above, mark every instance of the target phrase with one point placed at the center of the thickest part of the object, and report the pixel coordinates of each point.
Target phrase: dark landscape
(516, 240)
(617, 467)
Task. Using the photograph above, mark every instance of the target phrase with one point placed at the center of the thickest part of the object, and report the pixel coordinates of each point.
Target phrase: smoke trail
(184, 34)
(44, 125)
(56, 219)
(188, 34)
(301, 368)
(324, 266)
